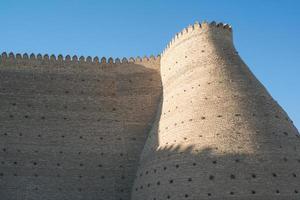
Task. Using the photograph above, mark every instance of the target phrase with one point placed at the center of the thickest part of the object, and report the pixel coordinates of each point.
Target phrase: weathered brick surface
(195, 124)
(219, 134)
(73, 131)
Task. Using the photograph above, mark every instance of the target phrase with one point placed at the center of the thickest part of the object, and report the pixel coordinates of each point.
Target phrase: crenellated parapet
(198, 28)
(39, 59)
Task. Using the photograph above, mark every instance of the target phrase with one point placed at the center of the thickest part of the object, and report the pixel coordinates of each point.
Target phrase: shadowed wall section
(220, 135)
(73, 129)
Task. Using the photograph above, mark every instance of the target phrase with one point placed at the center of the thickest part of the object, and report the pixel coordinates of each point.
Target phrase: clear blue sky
(266, 33)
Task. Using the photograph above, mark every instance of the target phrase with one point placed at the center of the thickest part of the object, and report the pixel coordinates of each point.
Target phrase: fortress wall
(73, 128)
(219, 134)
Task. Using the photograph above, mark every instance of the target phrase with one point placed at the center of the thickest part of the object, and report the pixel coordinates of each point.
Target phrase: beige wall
(195, 124)
(73, 130)
(219, 135)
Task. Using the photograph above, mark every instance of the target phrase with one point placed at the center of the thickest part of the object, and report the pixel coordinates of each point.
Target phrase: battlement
(39, 59)
(197, 28)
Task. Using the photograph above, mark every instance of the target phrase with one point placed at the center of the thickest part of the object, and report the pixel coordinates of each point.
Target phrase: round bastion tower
(218, 134)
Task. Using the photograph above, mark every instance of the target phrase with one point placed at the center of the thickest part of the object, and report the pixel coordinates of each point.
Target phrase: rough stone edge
(39, 59)
(199, 27)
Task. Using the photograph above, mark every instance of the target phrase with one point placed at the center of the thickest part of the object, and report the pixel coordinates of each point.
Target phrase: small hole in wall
(253, 192)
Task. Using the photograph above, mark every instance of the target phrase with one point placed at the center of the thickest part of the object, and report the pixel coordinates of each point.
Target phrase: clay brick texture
(193, 123)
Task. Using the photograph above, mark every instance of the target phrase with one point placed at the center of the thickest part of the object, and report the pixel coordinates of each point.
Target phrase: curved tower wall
(219, 134)
(73, 129)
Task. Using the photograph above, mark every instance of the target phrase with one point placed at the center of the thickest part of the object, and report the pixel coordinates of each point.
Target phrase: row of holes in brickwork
(47, 78)
(218, 116)
(254, 192)
(104, 93)
(218, 134)
(79, 189)
(65, 107)
(79, 177)
(11, 116)
(233, 177)
(214, 162)
(171, 181)
(59, 164)
(79, 137)
(5, 150)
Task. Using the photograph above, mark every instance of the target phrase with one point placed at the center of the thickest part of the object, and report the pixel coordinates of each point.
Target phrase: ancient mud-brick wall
(73, 129)
(219, 134)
